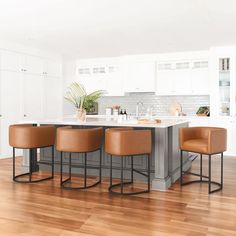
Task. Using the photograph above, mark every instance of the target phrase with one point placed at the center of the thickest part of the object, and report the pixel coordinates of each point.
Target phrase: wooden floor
(45, 209)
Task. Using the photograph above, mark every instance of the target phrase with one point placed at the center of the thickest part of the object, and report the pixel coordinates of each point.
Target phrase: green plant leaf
(77, 96)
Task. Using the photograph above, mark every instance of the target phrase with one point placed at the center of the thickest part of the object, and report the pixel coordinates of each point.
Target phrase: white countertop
(108, 121)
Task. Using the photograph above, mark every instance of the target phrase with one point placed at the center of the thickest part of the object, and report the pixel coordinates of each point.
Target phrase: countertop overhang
(109, 122)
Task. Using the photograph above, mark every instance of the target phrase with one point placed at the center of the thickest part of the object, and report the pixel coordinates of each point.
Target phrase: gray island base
(165, 162)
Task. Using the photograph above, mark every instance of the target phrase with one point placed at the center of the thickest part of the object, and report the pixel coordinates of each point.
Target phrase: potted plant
(82, 101)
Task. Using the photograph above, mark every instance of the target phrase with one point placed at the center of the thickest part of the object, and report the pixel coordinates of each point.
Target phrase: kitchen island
(165, 156)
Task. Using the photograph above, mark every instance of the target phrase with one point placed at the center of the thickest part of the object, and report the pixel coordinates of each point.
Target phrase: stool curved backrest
(29, 136)
(78, 140)
(124, 142)
(214, 137)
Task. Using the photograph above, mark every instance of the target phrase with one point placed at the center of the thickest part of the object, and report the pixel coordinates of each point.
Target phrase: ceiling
(101, 28)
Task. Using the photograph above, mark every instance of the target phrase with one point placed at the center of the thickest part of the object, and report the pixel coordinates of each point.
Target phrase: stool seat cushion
(205, 140)
(29, 136)
(196, 145)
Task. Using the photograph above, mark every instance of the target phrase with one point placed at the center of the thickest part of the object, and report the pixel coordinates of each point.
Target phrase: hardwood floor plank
(46, 209)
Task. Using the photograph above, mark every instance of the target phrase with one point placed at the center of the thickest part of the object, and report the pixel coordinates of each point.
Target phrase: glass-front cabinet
(224, 86)
(223, 83)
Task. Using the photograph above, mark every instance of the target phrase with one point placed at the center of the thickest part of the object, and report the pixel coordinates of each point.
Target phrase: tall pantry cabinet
(30, 88)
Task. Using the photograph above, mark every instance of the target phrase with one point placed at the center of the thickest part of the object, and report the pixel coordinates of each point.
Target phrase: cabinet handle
(0, 115)
(25, 115)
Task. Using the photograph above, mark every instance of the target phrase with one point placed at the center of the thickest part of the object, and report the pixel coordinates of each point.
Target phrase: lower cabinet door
(32, 96)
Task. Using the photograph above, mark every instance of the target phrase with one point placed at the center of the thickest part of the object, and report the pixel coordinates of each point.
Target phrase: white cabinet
(10, 107)
(114, 81)
(200, 78)
(182, 77)
(32, 96)
(92, 77)
(101, 76)
(32, 65)
(223, 83)
(30, 88)
(140, 77)
(173, 78)
(10, 61)
(165, 79)
(53, 68)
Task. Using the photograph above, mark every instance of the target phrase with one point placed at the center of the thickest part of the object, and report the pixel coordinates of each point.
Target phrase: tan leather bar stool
(26, 136)
(79, 141)
(203, 140)
(125, 143)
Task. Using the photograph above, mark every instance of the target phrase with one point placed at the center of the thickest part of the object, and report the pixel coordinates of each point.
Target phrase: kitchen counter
(165, 158)
(109, 121)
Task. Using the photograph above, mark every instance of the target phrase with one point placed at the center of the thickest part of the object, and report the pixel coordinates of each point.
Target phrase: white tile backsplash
(160, 104)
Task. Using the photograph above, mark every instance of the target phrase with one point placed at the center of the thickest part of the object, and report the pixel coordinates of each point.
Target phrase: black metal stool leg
(149, 173)
(200, 167)
(121, 175)
(132, 169)
(110, 170)
(32, 161)
(61, 166)
(207, 179)
(14, 164)
(222, 170)
(52, 161)
(209, 174)
(181, 167)
(85, 170)
(70, 165)
(123, 183)
(30, 166)
(85, 184)
(100, 165)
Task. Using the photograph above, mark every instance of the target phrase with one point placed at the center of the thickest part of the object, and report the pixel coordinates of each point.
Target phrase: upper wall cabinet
(182, 77)
(17, 62)
(200, 83)
(32, 65)
(139, 77)
(105, 76)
